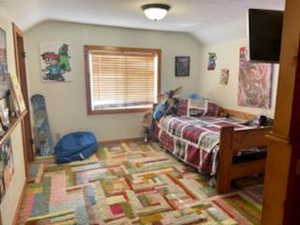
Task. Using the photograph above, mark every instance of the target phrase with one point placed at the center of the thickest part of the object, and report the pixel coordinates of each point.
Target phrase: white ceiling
(208, 20)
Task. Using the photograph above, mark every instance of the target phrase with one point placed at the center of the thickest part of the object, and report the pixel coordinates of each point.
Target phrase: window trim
(87, 49)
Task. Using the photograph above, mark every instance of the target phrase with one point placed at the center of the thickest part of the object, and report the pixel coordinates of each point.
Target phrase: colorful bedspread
(195, 140)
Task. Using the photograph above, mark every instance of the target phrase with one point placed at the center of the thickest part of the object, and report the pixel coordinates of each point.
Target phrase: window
(121, 79)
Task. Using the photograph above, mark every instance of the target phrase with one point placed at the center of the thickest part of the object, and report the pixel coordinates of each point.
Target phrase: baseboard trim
(18, 210)
(121, 140)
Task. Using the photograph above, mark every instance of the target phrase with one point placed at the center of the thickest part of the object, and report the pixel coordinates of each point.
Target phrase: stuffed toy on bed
(168, 106)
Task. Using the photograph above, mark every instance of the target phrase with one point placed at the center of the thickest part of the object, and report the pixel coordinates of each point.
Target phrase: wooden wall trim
(19, 50)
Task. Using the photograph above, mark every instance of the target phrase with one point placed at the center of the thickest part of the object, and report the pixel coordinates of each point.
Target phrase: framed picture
(17, 92)
(224, 77)
(2, 188)
(4, 78)
(212, 58)
(182, 66)
(6, 166)
(4, 117)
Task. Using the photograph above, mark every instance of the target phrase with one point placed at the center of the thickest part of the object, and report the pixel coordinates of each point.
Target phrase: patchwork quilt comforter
(194, 140)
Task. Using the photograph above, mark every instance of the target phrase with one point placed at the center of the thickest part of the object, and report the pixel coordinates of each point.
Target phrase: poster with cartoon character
(56, 62)
(212, 58)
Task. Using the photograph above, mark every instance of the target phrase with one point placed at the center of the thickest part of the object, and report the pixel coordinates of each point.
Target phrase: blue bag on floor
(75, 146)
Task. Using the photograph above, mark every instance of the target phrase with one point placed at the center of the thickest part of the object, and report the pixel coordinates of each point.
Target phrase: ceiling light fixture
(156, 11)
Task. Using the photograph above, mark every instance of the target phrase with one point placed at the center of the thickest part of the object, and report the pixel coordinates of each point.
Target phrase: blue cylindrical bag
(75, 146)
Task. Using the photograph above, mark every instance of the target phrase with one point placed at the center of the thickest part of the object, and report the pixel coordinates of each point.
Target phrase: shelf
(13, 124)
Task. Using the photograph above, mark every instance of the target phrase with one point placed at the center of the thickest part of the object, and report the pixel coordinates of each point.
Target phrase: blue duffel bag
(75, 146)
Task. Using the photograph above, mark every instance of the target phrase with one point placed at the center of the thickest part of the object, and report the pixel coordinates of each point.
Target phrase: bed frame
(232, 142)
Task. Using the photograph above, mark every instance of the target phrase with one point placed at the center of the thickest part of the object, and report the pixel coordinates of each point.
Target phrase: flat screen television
(265, 30)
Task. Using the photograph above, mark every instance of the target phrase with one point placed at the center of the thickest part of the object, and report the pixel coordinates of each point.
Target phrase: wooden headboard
(239, 114)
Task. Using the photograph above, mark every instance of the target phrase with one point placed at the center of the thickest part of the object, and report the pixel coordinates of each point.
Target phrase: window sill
(117, 111)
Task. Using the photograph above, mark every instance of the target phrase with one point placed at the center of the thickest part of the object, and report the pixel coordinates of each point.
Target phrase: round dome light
(156, 11)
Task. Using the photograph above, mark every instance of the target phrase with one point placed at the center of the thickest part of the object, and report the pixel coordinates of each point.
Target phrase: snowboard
(42, 135)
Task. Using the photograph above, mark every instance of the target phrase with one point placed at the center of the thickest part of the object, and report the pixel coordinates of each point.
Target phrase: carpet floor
(133, 183)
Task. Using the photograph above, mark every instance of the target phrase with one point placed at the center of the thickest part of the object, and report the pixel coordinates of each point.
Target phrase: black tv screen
(265, 30)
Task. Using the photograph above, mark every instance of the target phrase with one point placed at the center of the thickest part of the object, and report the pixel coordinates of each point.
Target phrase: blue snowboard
(42, 134)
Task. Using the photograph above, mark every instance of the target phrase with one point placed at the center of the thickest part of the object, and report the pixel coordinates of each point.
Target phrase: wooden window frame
(87, 49)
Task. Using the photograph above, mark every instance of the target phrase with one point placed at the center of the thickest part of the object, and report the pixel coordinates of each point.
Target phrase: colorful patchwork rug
(133, 183)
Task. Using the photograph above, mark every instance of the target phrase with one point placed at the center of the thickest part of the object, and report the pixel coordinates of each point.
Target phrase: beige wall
(67, 102)
(227, 96)
(11, 198)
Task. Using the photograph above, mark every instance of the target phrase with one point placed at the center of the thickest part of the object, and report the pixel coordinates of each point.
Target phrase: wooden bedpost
(225, 160)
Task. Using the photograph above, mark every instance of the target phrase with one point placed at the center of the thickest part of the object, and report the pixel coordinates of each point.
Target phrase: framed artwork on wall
(255, 82)
(224, 77)
(17, 92)
(212, 58)
(4, 77)
(6, 167)
(56, 65)
(182, 66)
(2, 189)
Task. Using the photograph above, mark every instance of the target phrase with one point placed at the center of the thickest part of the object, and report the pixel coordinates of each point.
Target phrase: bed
(212, 144)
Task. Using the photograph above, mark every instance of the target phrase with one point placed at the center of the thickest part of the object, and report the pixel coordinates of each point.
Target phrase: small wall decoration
(255, 82)
(212, 57)
(224, 77)
(4, 78)
(56, 62)
(182, 66)
(6, 167)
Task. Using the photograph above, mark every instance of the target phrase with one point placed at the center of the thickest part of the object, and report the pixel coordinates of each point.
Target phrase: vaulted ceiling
(208, 20)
